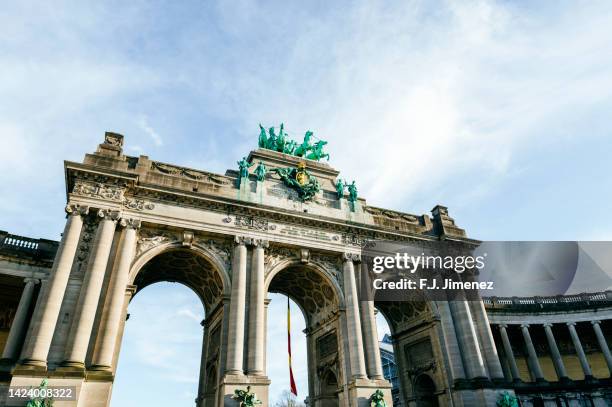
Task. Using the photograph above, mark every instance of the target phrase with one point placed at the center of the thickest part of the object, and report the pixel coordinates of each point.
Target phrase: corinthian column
(257, 328)
(235, 335)
(44, 326)
(82, 323)
(111, 320)
(352, 318)
(19, 322)
(370, 335)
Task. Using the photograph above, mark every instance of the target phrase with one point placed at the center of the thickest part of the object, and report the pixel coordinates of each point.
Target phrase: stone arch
(206, 259)
(314, 266)
(425, 391)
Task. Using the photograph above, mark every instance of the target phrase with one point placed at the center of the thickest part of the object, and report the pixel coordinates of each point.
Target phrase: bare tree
(287, 399)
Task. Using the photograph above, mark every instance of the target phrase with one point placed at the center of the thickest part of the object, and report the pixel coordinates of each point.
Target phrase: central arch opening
(171, 344)
(317, 367)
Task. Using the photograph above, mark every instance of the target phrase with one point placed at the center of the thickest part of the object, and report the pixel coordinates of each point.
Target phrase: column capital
(31, 280)
(596, 322)
(502, 326)
(130, 289)
(547, 324)
(572, 323)
(261, 243)
(524, 326)
(348, 256)
(130, 223)
(76, 209)
(242, 240)
(109, 214)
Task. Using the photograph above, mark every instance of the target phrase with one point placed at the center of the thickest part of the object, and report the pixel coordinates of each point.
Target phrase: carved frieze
(202, 176)
(251, 222)
(98, 190)
(137, 204)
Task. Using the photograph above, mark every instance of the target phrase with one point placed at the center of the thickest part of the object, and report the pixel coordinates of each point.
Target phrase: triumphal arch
(282, 221)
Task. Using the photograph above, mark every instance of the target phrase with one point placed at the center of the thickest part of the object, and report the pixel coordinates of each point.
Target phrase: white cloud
(143, 123)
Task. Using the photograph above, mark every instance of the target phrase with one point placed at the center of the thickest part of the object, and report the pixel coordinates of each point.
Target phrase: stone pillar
(16, 334)
(509, 353)
(355, 341)
(603, 344)
(43, 327)
(486, 339)
(579, 351)
(235, 336)
(370, 335)
(82, 322)
(257, 298)
(468, 341)
(202, 383)
(554, 353)
(536, 369)
(111, 320)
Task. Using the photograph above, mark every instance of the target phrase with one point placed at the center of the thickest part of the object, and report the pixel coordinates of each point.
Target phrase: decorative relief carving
(191, 174)
(222, 249)
(150, 238)
(276, 254)
(87, 236)
(137, 204)
(98, 190)
(113, 139)
(251, 222)
(391, 214)
(356, 240)
(328, 262)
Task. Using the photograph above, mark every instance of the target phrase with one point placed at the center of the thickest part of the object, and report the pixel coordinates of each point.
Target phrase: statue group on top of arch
(280, 142)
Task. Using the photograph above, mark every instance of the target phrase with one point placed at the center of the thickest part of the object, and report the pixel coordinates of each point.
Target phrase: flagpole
(292, 385)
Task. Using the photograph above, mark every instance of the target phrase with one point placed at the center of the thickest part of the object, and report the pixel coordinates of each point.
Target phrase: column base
(101, 368)
(34, 362)
(230, 383)
(360, 390)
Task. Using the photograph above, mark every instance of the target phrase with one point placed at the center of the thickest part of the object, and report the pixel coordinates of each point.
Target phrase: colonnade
(534, 365)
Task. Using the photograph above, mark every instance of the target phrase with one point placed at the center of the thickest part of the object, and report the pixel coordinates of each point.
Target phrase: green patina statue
(340, 188)
(282, 143)
(261, 171)
(263, 138)
(243, 166)
(299, 179)
(317, 151)
(41, 401)
(352, 188)
(507, 400)
(378, 399)
(306, 145)
(272, 139)
(245, 397)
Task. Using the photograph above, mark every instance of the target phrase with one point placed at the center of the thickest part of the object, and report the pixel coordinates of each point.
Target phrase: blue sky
(499, 110)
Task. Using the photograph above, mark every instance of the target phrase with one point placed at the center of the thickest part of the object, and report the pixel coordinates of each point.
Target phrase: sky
(499, 110)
